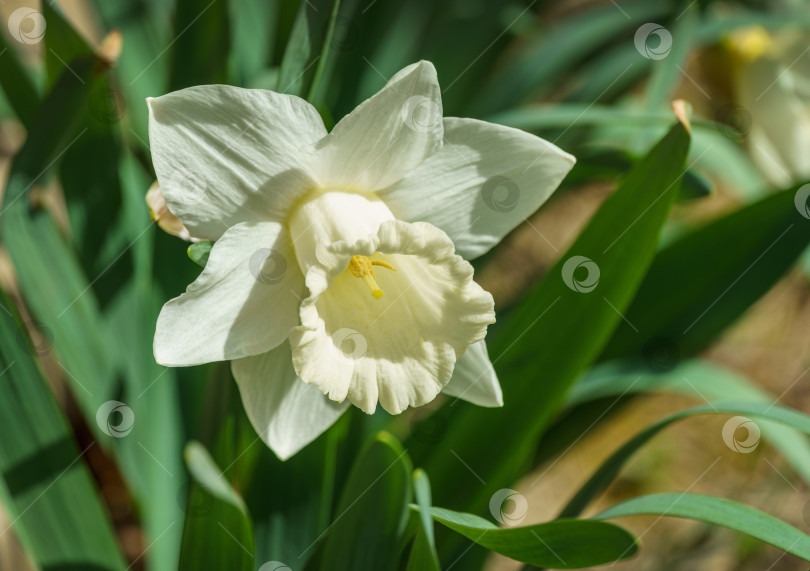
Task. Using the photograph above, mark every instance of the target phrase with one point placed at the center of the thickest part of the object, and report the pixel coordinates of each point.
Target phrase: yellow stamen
(362, 267)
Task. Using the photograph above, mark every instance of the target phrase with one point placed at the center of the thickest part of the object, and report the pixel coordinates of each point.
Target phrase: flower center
(362, 267)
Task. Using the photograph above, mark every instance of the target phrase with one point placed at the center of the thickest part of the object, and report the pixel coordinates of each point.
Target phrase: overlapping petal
(484, 181)
(225, 155)
(244, 303)
(287, 413)
(387, 135)
(474, 378)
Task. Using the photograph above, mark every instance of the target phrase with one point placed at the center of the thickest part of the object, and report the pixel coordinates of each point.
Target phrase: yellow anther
(362, 267)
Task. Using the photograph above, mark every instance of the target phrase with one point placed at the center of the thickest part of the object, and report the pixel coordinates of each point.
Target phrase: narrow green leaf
(314, 23)
(143, 64)
(201, 42)
(51, 500)
(289, 526)
(693, 186)
(199, 252)
(371, 518)
(423, 555)
(551, 54)
(217, 533)
(717, 511)
(559, 544)
(253, 27)
(151, 457)
(667, 71)
(543, 345)
(50, 277)
(711, 276)
(62, 45)
(608, 471)
(563, 115)
(17, 84)
(697, 378)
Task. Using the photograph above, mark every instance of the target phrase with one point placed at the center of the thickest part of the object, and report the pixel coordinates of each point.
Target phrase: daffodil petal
(397, 349)
(287, 413)
(225, 155)
(244, 303)
(387, 135)
(778, 144)
(474, 378)
(485, 181)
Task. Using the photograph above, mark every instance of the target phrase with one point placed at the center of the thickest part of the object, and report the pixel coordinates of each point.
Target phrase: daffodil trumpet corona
(339, 274)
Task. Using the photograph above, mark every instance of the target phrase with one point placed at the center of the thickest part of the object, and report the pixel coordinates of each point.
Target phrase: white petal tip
(281, 453)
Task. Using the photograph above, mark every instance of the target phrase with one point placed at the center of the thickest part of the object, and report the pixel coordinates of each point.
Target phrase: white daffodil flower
(338, 274)
(773, 84)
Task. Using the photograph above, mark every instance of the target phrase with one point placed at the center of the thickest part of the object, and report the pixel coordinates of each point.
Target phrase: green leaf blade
(621, 240)
(717, 511)
(372, 515)
(217, 533)
(46, 487)
(558, 544)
